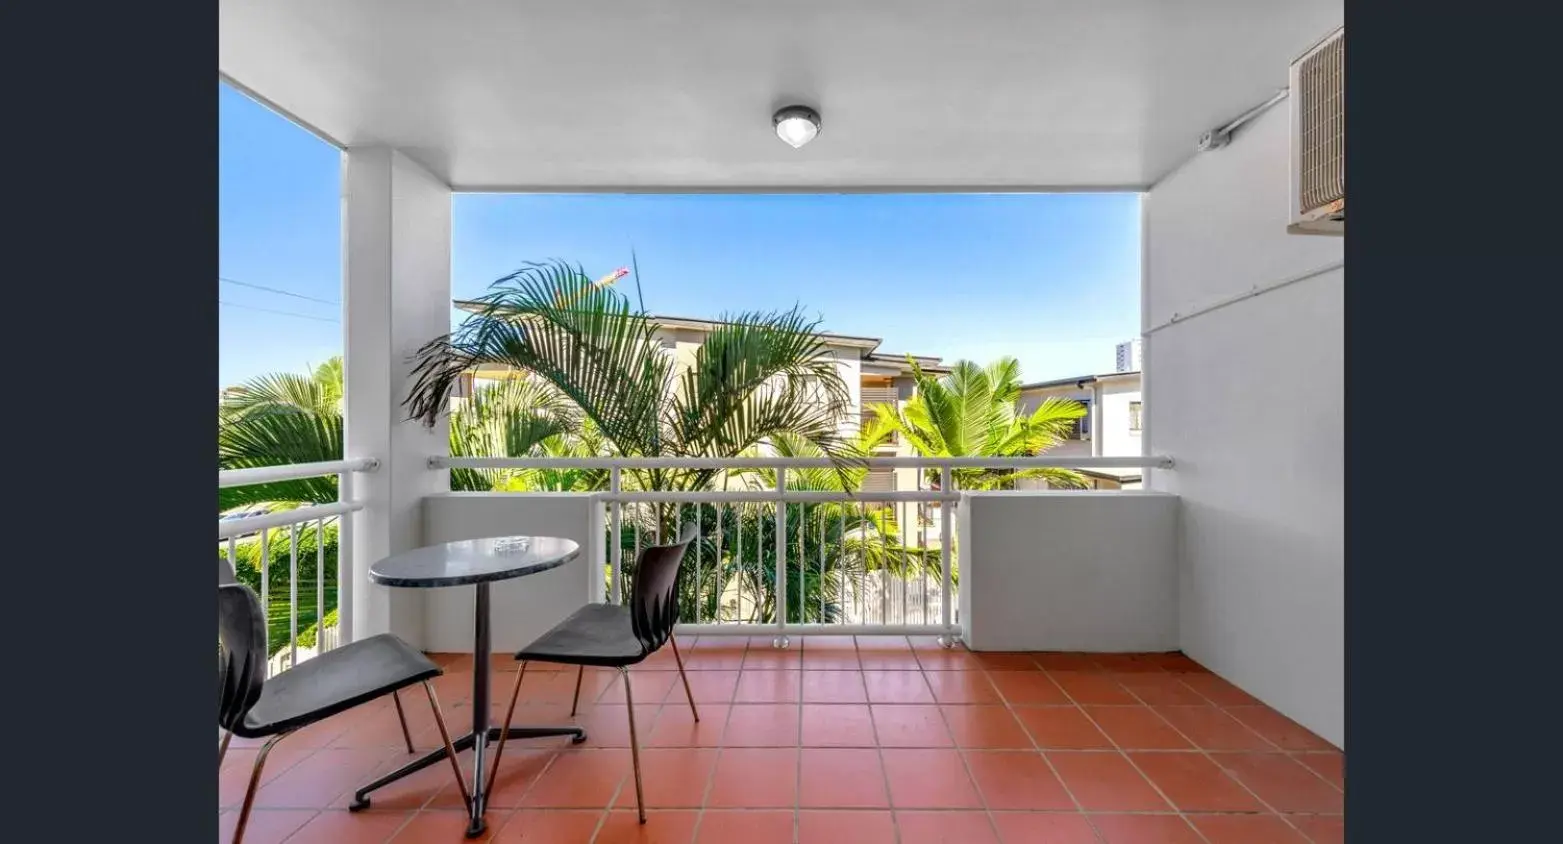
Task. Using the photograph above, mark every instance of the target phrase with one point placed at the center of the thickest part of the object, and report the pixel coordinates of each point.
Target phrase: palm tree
(278, 419)
(756, 376)
(972, 412)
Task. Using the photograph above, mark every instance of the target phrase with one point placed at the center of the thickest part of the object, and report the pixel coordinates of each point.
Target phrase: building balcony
(839, 739)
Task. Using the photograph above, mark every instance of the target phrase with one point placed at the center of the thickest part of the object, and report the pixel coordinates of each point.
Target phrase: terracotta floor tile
(672, 779)
(910, 725)
(649, 687)
(318, 779)
(897, 687)
(679, 728)
(266, 826)
(1331, 766)
(441, 827)
(1282, 782)
(830, 653)
(769, 658)
(545, 826)
(410, 793)
(1006, 661)
(671, 827)
(1011, 779)
(762, 725)
(929, 779)
(1084, 687)
(986, 727)
(518, 771)
(755, 778)
(833, 687)
(1321, 829)
(745, 827)
(932, 657)
(769, 687)
(608, 725)
(1194, 783)
(1061, 727)
(1137, 728)
(239, 763)
(963, 686)
(1212, 729)
(1219, 691)
(886, 653)
(337, 826)
(1066, 661)
(838, 827)
(1246, 829)
(1282, 731)
(842, 779)
(715, 658)
(1027, 687)
(1106, 782)
(1145, 829)
(945, 828)
(579, 779)
(707, 686)
(837, 725)
(1043, 828)
(1160, 689)
(1131, 663)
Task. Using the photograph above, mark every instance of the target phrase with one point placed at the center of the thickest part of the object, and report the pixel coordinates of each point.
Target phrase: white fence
(290, 526)
(772, 555)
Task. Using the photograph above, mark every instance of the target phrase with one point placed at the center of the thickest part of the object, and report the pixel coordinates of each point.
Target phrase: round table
(475, 562)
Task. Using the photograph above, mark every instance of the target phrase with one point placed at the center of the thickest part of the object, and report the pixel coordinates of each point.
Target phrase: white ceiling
(678, 94)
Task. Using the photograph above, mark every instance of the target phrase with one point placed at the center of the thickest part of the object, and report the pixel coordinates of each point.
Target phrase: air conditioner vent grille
(1322, 118)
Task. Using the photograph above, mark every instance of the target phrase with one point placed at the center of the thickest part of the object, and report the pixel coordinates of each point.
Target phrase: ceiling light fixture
(796, 124)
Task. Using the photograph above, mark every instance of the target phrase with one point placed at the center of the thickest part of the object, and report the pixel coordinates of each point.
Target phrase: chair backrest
(654, 594)
(241, 652)
(225, 573)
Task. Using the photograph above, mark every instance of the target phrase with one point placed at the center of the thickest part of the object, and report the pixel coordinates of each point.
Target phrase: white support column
(396, 297)
(1096, 418)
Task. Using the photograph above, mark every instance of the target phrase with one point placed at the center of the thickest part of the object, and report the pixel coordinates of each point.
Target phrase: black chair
(614, 636)
(251, 706)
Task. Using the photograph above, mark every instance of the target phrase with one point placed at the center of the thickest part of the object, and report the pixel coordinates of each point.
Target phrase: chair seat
(334, 682)
(596, 634)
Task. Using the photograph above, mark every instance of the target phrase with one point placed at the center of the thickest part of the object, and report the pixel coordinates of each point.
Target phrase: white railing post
(616, 548)
(946, 555)
(293, 595)
(344, 561)
(781, 560)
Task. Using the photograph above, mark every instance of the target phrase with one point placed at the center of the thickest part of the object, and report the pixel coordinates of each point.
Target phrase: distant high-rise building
(1129, 356)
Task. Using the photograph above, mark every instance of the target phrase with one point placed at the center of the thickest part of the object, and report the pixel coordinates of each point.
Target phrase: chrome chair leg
(575, 703)
(249, 793)
(504, 731)
(629, 700)
(402, 717)
(450, 751)
(685, 677)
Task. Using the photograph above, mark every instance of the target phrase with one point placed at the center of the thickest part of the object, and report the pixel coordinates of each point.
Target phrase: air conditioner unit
(1318, 105)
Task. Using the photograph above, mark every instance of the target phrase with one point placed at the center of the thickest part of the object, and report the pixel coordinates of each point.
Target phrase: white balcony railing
(773, 558)
(293, 526)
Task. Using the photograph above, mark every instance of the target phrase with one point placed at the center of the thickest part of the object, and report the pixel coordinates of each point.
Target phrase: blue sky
(1050, 279)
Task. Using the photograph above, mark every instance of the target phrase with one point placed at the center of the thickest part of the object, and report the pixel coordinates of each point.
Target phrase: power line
(275, 290)
(279, 313)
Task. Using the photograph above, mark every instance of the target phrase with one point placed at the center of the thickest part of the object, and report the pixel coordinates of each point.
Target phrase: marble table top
(473, 561)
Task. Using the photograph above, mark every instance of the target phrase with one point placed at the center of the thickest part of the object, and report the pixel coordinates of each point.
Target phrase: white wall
(1118, 440)
(1247, 399)
(1068, 571)
(396, 224)
(524, 608)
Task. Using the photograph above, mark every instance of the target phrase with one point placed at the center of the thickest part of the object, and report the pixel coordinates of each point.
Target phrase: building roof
(868, 345)
(1080, 380)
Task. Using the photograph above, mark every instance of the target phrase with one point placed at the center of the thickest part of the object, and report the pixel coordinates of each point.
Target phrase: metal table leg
(481, 647)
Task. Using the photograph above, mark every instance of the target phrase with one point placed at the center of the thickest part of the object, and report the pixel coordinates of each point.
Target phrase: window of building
(1135, 413)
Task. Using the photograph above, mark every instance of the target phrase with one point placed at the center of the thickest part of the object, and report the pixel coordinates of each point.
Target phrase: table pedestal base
(480, 727)
(476, 825)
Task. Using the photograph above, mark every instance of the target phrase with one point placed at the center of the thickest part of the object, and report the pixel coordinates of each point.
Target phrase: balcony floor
(878, 740)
